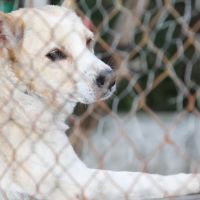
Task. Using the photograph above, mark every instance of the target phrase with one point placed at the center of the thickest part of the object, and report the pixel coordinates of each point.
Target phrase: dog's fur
(37, 95)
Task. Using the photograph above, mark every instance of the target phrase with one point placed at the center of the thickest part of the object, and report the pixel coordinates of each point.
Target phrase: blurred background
(152, 123)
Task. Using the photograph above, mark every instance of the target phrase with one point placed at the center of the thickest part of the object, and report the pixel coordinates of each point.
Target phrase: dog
(47, 66)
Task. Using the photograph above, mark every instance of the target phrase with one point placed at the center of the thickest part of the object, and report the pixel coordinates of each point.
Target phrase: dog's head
(52, 54)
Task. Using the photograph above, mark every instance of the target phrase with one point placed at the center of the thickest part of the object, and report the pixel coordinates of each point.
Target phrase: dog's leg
(109, 185)
(67, 178)
(76, 181)
(92, 184)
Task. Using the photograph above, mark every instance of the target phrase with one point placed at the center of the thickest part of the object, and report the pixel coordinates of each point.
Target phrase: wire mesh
(150, 124)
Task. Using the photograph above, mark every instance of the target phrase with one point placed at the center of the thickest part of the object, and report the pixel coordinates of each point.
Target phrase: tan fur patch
(11, 28)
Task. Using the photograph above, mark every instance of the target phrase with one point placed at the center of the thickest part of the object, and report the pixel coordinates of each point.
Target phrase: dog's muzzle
(106, 82)
(106, 79)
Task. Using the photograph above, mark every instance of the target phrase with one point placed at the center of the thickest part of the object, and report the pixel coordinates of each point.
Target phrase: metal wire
(151, 123)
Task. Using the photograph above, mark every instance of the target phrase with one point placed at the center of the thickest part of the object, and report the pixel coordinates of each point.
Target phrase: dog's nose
(106, 79)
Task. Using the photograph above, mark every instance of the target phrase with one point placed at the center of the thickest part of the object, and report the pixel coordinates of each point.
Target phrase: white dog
(47, 65)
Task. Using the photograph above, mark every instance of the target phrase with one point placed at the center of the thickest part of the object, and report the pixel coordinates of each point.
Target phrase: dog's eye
(56, 54)
(89, 42)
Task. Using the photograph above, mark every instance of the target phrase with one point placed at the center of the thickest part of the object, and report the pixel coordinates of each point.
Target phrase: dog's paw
(193, 184)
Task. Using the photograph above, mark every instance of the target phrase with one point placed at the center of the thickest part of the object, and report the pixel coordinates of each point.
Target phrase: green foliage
(168, 37)
(7, 5)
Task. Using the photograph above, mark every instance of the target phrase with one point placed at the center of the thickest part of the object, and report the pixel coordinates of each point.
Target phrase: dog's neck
(13, 90)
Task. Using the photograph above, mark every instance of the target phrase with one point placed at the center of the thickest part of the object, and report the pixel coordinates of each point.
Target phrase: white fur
(36, 97)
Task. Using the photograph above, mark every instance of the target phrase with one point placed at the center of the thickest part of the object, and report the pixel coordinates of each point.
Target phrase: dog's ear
(71, 4)
(11, 30)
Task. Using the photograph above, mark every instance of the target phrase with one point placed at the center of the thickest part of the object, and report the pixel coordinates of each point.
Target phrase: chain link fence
(153, 117)
(151, 123)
